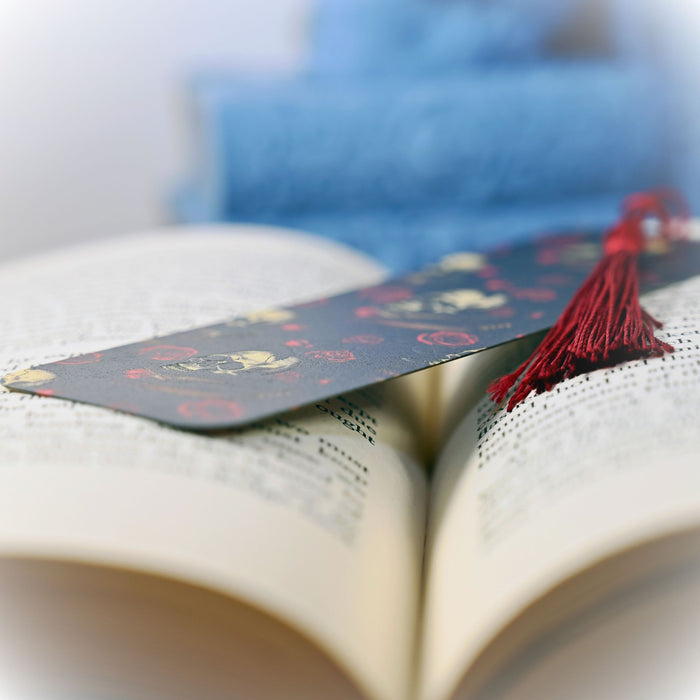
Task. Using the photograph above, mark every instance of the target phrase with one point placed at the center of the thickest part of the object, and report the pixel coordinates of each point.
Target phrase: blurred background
(406, 128)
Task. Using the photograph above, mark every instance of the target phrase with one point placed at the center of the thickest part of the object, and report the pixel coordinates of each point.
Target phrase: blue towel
(367, 38)
(492, 136)
(408, 238)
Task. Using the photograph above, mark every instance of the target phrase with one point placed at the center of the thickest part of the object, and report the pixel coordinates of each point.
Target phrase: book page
(523, 500)
(296, 515)
(641, 643)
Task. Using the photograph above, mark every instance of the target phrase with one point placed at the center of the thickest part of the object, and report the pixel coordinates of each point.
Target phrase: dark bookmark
(236, 372)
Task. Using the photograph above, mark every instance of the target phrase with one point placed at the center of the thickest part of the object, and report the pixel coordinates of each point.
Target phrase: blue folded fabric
(409, 237)
(541, 132)
(367, 38)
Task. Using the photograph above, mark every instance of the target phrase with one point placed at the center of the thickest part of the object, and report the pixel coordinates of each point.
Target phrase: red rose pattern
(211, 410)
(290, 377)
(503, 312)
(138, 373)
(332, 355)
(88, 359)
(535, 294)
(449, 338)
(168, 353)
(487, 271)
(497, 285)
(367, 311)
(386, 294)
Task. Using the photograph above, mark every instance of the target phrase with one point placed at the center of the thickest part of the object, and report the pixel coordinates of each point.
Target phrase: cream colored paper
(300, 516)
(525, 499)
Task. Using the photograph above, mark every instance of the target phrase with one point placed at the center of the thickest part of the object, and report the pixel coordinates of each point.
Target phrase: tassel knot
(626, 236)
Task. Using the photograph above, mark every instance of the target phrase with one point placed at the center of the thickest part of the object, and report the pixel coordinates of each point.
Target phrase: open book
(297, 558)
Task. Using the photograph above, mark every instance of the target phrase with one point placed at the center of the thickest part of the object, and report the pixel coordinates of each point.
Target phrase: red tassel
(604, 324)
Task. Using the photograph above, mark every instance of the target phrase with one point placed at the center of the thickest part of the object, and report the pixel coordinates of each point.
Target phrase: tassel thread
(604, 323)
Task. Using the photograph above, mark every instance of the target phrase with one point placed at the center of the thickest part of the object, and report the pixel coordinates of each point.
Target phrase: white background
(92, 115)
(93, 132)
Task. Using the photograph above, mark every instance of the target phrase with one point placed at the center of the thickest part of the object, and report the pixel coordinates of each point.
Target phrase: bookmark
(239, 371)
